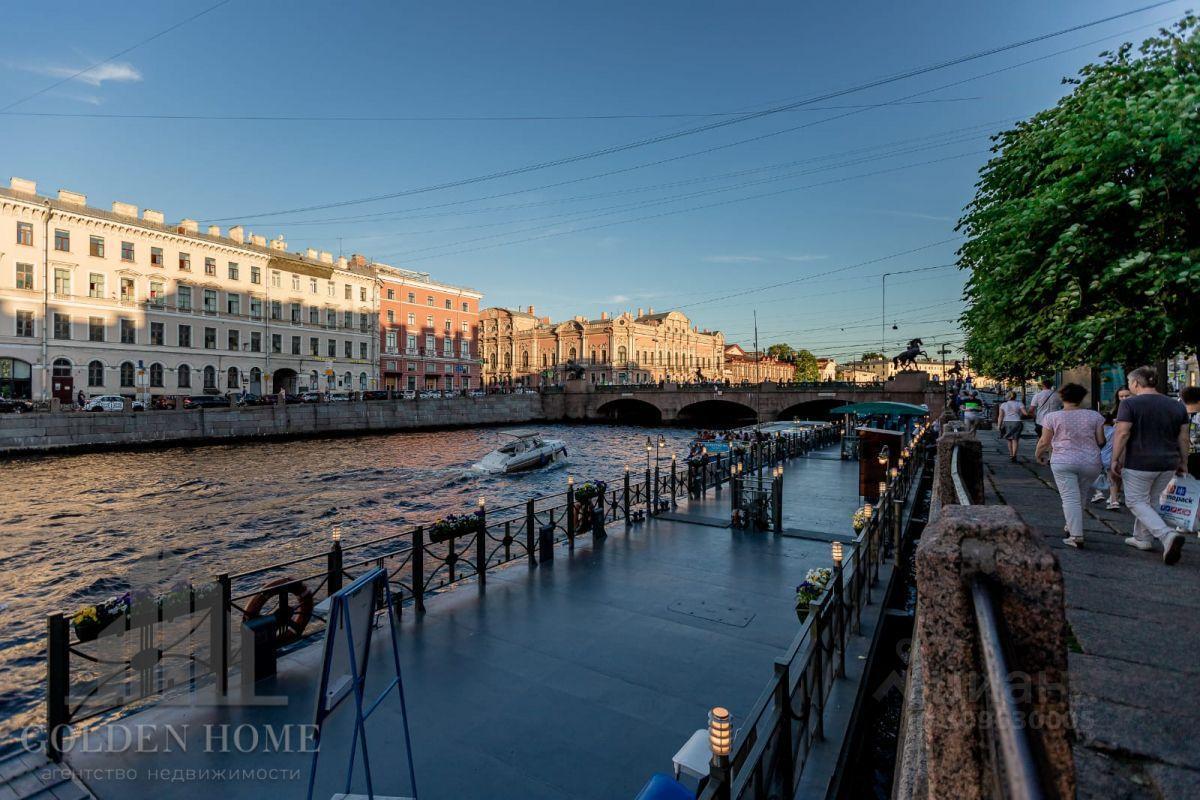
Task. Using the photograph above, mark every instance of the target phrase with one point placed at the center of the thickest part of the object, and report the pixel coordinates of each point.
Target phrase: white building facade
(110, 302)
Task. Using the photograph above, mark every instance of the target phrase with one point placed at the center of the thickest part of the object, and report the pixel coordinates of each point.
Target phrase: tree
(806, 367)
(873, 356)
(781, 352)
(1083, 239)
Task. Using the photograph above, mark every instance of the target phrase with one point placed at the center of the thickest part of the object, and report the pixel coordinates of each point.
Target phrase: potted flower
(454, 525)
(92, 621)
(586, 497)
(808, 592)
(860, 519)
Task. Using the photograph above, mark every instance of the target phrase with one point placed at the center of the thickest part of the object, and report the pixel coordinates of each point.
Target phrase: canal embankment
(75, 431)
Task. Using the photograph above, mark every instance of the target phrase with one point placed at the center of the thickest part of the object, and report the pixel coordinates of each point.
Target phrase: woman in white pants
(1075, 435)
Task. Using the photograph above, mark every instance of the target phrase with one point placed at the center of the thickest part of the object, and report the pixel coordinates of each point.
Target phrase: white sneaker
(1113, 505)
(1098, 496)
(1072, 541)
(1138, 543)
(1172, 547)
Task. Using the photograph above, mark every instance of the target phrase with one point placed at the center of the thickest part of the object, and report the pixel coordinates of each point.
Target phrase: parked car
(250, 399)
(111, 402)
(376, 394)
(10, 406)
(206, 401)
(430, 393)
(162, 402)
(310, 397)
(339, 397)
(410, 394)
(477, 393)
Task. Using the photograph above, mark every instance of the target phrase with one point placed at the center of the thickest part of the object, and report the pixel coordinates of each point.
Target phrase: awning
(882, 407)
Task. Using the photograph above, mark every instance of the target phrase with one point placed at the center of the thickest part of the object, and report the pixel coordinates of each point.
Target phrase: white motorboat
(527, 450)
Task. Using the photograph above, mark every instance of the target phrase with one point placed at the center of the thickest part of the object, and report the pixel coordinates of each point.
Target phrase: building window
(276, 279)
(128, 332)
(314, 315)
(185, 262)
(233, 271)
(362, 293)
(349, 349)
(330, 318)
(95, 285)
(390, 341)
(465, 350)
(449, 304)
(95, 373)
(295, 313)
(466, 328)
(255, 342)
(429, 322)
(156, 375)
(95, 329)
(296, 283)
(295, 345)
(312, 380)
(429, 300)
(447, 326)
(363, 325)
(312, 285)
(156, 256)
(391, 293)
(233, 304)
(183, 375)
(127, 290)
(465, 308)
(210, 301)
(126, 374)
(391, 317)
(232, 380)
(25, 276)
(156, 333)
(96, 246)
(256, 308)
(185, 335)
(62, 326)
(210, 377)
(412, 319)
(62, 281)
(332, 289)
(183, 297)
(210, 338)
(362, 350)
(255, 275)
(347, 319)
(331, 349)
(127, 251)
(525, 359)
(157, 295)
(62, 240)
(276, 343)
(210, 267)
(349, 294)
(276, 309)
(25, 233)
(412, 343)
(233, 339)
(430, 344)
(314, 346)
(24, 323)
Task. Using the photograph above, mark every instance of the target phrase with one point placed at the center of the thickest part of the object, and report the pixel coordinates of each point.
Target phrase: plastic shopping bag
(1180, 502)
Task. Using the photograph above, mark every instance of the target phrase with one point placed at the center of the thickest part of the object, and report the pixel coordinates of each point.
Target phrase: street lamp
(884, 456)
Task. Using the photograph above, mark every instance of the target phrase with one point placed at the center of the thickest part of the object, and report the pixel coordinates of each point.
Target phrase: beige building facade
(749, 366)
(120, 302)
(520, 349)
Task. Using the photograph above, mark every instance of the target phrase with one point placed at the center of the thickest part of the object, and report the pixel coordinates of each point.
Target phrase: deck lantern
(893, 472)
(867, 512)
(837, 553)
(882, 488)
(570, 481)
(720, 733)
(482, 503)
(626, 469)
(337, 535)
(884, 456)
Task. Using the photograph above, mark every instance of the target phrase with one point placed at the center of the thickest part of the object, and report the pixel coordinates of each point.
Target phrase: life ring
(292, 628)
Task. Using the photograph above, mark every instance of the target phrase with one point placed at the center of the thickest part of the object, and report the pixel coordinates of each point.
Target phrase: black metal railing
(773, 744)
(129, 661)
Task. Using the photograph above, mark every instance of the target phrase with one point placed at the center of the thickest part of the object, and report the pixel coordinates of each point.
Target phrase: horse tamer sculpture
(909, 357)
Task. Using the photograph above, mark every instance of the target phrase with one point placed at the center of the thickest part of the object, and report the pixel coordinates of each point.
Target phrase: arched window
(313, 383)
(545, 360)
(604, 356)
(210, 377)
(156, 375)
(508, 360)
(256, 379)
(62, 368)
(525, 359)
(126, 373)
(183, 373)
(593, 355)
(95, 373)
(493, 360)
(621, 355)
(232, 379)
(346, 380)
(572, 354)
(362, 381)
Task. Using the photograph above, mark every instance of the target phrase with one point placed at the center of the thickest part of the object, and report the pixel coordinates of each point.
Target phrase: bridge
(708, 404)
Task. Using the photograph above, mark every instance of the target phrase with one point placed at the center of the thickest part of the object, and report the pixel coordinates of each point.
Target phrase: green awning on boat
(881, 407)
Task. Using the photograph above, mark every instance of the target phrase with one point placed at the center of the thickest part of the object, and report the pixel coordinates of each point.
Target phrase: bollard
(570, 513)
(418, 568)
(529, 523)
(481, 545)
(258, 650)
(334, 568)
(626, 496)
(777, 504)
(58, 680)
(546, 543)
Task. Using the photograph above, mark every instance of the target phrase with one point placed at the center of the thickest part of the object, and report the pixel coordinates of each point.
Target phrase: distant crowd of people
(1132, 451)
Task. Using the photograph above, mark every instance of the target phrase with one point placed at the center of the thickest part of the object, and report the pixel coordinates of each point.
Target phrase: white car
(111, 402)
(339, 397)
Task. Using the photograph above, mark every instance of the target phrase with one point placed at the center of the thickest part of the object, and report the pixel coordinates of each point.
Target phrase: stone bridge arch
(816, 408)
(631, 410)
(716, 413)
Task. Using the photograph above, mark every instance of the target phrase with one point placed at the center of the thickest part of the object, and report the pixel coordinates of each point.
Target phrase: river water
(76, 527)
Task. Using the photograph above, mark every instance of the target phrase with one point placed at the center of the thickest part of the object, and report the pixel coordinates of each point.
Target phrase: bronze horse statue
(956, 370)
(909, 357)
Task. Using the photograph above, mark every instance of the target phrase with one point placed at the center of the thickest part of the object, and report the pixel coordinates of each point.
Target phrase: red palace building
(429, 332)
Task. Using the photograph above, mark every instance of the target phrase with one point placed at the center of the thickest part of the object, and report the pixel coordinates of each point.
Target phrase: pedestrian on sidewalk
(1190, 397)
(1105, 486)
(1010, 425)
(1043, 403)
(1075, 435)
(1149, 449)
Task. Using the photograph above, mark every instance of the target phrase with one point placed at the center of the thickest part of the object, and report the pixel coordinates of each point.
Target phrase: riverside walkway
(575, 679)
(1134, 663)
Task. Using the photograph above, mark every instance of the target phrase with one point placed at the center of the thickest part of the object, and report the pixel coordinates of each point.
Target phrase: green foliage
(806, 367)
(873, 356)
(1083, 239)
(783, 352)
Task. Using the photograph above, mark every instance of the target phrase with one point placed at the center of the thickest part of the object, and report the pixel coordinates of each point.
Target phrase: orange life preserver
(291, 629)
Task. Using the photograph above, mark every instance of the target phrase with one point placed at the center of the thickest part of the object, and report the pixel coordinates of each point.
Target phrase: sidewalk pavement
(1134, 665)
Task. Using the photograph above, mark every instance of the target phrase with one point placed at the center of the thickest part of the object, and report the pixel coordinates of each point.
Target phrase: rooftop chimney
(652, 310)
(342, 262)
(214, 230)
(640, 314)
(150, 215)
(23, 185)
(531, 312)
(278, 243)
(311, 253)
(259, 241)
(189, 226)
(73, 198)
(603, 315)
(326, 257)
(125, 209)
(237, 233)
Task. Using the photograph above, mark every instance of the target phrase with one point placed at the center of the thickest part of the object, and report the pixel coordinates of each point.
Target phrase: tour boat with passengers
(527, 450)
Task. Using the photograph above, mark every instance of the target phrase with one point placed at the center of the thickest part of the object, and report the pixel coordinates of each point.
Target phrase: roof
(523, 433)
(881, 407)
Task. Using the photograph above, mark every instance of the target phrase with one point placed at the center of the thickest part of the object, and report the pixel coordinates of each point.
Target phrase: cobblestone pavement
(1135, 647)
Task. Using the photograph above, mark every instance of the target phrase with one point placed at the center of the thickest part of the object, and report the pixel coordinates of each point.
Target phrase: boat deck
(575, 679)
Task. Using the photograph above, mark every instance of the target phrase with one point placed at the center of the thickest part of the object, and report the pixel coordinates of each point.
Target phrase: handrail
(960, 489)
(1016, 753)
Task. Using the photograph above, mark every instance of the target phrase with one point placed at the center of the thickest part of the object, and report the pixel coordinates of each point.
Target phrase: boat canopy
(881, 407)
(521, 434)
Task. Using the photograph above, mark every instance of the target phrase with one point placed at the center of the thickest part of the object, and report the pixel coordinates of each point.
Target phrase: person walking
(1150, 448)
(1105, 486)
(1075, 436)
(1043, 403)
(1190, 397)
(1009, 423)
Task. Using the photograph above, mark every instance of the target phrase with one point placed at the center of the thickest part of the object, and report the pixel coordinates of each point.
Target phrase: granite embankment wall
(37, 433)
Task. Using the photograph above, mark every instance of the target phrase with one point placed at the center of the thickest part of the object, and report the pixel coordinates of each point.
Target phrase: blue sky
(856, 184)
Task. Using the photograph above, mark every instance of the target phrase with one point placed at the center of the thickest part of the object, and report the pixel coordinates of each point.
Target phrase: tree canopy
(783, 352)
(1083, 239)
(806, 367)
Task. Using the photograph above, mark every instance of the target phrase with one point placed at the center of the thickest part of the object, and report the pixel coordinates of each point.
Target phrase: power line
(446, 118)
(114, 56)
(701, 128)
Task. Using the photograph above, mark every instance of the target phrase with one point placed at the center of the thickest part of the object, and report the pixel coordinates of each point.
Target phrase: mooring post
(58, 683)
(418, 568)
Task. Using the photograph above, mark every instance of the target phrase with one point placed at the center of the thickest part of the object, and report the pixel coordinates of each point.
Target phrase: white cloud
(112, 71)
(733, 259)
(805, 257)
(619, 298)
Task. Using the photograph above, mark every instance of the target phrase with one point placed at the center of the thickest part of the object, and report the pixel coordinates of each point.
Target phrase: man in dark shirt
(1150, 448)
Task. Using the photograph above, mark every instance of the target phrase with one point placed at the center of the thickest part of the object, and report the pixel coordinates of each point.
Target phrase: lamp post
(649, 494)
(841, 601)
(720, 742)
